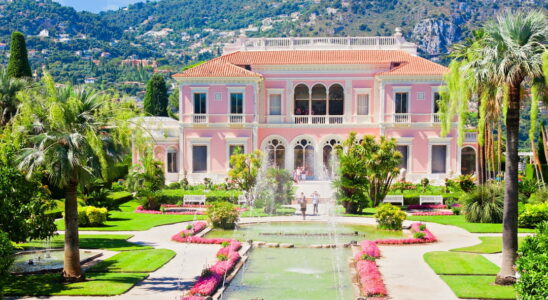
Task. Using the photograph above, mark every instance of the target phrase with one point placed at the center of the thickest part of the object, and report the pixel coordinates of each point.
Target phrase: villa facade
(295, 99)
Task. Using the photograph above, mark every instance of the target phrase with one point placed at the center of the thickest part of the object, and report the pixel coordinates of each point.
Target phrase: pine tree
(156, 98)
(18, 65)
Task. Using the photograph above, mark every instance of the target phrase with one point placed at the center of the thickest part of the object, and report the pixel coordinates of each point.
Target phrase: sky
(96, 5)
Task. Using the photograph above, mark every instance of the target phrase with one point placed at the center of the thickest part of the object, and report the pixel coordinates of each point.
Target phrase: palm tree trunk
(72, 271)
(510, 217)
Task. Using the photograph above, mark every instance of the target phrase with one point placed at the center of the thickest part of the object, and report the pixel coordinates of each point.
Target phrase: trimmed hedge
(118, 197)
(174, 196)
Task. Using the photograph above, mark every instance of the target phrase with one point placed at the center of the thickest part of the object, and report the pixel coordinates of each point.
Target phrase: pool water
(43, 260)
(305, 233)
(294, 273)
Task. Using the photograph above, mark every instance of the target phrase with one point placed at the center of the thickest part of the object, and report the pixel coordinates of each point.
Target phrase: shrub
(484, 204)
(451, 185)
(527, 187)
(92, 216)
(151, 200)
(422, 227)
(389, 216)
(424, 183)
(99, 198)
(533, 214)
(174, 186)
(277, 189)
(532, 266)
(455, 210)
(117, 186)
(223, 215)
(6, 259)
(466, 183)
(540, 196)
(419, 235)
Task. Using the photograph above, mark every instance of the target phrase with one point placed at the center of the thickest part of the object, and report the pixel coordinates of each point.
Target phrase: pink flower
(206, 285)
(370, 278)
(427, 206)
(433, 213)
(193, 298)
(415, 227)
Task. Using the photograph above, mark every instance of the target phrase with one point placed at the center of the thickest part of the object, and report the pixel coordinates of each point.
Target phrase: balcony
(204, 119)
(470, 137)
(311, 119)
(408, 118)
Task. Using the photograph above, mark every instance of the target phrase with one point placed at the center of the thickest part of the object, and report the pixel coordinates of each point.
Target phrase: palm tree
(69, 139)
(9, 86)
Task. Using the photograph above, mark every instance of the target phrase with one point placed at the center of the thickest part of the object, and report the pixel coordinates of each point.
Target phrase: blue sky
(96, 5)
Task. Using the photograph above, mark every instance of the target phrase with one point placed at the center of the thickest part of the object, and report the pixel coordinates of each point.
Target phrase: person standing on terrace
(302, 203)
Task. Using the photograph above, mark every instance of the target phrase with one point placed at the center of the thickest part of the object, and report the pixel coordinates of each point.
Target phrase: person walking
(315, 201)
(302, 203)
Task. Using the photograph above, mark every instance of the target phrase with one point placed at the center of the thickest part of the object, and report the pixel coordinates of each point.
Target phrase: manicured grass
(259, 212)
(489, 244)
(128, 220)
(113, 242)
(478, 287)
(366, 213)
(143, 261)
(96, 284)
(452, 263)
(459, 221)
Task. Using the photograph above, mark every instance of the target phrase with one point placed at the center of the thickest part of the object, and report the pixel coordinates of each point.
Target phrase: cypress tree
(18, 65)
(156, 98)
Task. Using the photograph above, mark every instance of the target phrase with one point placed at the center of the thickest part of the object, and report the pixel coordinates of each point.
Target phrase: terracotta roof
(217, 68)
(232, 65)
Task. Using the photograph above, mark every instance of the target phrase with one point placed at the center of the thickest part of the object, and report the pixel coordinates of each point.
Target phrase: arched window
(275, 150)
(336, 100)
(468, 161)
(319, 100)
(302, 97)
(304, 156)
(172, 160)
(329, 156)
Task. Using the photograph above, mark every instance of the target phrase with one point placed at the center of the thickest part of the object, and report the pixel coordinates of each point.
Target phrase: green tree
(366, 170)
(244, 170)
(156, 98)
(69, 135)
(173, 106)
(6, 259)
(9, 86)
(277, 189)
(18, 65)
(510, 58)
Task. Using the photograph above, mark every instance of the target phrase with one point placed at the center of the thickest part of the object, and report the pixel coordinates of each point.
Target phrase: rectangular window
(199, 159)
(200, 103)
(237, 103)
(232, 149)
(363, 104)
(172, 162)
(275, 105)
(401, 103)
(420, 95)
(404, 150)
(439, 159)
(435, 99)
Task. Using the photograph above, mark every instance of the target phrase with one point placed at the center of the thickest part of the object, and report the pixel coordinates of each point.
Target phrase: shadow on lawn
(166, 284)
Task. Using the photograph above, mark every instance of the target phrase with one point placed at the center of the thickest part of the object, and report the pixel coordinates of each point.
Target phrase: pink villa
(296, 98)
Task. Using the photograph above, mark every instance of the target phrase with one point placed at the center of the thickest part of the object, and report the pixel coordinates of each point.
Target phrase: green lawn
(113, 242)
(452, 263)
(259, 212)
(459, 221)
(366, 213)
(96, 284)
(128, 220)
(143, 261)
(478, 287)
(489, 244)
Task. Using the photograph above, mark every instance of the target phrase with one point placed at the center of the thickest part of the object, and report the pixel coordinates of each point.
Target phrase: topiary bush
(389, 216)
(532, 266)
(484, 204)
(533, 214)
(92, 216)
(6, 259)
(223, 215)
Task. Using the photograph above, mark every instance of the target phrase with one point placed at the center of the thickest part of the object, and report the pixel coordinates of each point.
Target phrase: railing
(200, 118)
(470, 136)
(236, 118)
(436, 118)
(396, 42)
(311, 119)
(402, 118)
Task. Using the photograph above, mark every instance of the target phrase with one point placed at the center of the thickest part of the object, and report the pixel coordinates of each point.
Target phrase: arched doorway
(304, 156)
(275, 150)
(319, 100)
(336, 100)
(468, 161)
(302, 97)
(329, 159)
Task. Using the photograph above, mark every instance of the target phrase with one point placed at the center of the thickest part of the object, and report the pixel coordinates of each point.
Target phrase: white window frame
(407, 141)
(440, 142)
(275, 92)
(235, 90)
(401, 89)
(200, 141)
(434, 90)
(199, 90)
(420, 96)
(234, 141)
(177, 157)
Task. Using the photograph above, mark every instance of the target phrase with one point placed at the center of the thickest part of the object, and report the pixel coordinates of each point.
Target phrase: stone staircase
(324, 188)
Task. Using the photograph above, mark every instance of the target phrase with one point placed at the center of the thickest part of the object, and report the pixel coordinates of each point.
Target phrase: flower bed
(185, 205)
(370, 279)
(427, 206)
(415, 227)
(212, 277)
(433, 213)
(194, 229)
(140, 210)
